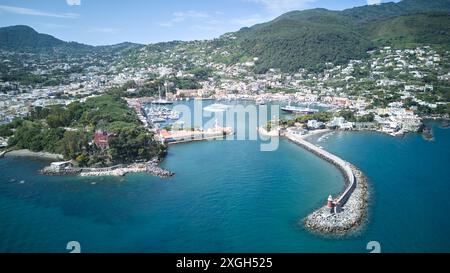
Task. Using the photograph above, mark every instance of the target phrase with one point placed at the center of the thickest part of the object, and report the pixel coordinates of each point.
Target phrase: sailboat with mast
(162, 101)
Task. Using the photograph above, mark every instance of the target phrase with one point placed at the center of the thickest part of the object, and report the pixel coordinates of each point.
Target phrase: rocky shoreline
(151, 167)
(351, 217)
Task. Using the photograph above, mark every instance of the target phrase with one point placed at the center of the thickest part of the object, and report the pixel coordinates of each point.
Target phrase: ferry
(299, 110)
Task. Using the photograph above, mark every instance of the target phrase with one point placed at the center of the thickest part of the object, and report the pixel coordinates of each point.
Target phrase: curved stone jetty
(346, 212)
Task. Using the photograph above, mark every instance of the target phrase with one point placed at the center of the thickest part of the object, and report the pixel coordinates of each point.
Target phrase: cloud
(108, 30)
(373, 2)
(73, 2)
(281, 6)
(35, 12)
(165, 24)
(181, 16)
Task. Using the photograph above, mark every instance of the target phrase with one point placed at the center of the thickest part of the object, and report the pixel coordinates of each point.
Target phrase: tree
(73, 143)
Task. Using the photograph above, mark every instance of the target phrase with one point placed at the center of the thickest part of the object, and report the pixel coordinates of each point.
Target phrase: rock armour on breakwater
(353, 200)
(150, 167)
(349, 219)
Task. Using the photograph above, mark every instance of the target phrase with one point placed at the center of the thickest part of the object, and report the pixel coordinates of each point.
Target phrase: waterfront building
(339, 122)
(315, 124)
(60, 166)
(101, 139)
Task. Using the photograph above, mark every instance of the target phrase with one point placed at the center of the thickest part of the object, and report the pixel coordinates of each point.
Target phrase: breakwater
(118, 170)
(349, 209)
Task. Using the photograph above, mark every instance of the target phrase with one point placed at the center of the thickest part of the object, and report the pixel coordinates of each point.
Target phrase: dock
(185, 136)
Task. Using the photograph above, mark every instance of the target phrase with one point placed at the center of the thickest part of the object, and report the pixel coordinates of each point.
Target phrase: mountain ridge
(295, 40)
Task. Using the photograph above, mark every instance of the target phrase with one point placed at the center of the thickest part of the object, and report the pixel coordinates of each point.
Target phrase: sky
(105, 22)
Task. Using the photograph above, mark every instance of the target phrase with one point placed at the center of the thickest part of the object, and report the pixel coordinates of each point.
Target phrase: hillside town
(397, 87)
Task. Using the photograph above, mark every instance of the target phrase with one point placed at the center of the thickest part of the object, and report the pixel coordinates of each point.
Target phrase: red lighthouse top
(330, 202)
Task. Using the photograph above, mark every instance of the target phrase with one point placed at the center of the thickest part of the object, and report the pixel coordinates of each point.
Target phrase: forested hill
(26, 39)
(310, 38)
(305, 39)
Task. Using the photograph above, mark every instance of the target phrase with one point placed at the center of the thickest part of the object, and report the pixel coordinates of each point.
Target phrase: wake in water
(325, 136)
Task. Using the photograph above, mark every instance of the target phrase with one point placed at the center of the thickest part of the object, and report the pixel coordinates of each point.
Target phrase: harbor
(197, 198)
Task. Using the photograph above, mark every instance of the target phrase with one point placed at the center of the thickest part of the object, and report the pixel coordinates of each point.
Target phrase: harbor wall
(343, 166)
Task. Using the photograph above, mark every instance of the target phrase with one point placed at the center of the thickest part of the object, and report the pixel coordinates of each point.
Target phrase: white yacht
(216, 107)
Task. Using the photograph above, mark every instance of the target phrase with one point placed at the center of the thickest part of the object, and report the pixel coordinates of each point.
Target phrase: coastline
(28, 153)
(150, 167)
(349, 208)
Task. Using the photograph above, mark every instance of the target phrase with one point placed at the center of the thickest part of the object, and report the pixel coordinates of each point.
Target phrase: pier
(347, 211)
(184, 136)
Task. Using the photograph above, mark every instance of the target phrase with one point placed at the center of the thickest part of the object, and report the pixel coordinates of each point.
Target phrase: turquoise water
(227, 196)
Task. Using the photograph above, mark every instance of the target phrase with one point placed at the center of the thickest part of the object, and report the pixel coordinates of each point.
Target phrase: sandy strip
(28, 153)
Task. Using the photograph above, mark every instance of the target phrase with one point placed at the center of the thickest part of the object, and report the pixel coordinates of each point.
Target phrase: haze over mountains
(298, 39)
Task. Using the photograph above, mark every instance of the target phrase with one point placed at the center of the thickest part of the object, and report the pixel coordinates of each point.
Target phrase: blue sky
(101, 22)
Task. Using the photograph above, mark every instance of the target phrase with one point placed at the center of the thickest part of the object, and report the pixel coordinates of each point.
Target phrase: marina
(160, 114)
(160, 100)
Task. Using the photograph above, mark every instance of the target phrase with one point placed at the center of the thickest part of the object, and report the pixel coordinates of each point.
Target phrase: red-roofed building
(165, 136)
(101, 139)
(164, 133)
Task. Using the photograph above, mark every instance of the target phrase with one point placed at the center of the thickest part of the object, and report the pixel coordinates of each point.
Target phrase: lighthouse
(330, 202)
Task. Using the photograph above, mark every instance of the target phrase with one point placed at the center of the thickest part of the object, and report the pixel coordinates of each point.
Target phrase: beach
(28, 153)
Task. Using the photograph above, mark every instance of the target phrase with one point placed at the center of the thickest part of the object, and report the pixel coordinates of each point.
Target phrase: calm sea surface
(228, 196)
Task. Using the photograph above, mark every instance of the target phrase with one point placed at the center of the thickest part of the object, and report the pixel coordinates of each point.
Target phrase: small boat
(260, 101)
(162, 102)
(158, 120)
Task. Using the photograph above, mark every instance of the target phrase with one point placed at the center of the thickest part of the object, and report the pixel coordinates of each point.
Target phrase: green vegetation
(299, 39)
(320, 116)
(412, 30)
(310, 38)
(294, 41)
(69, 131)
(25, 39)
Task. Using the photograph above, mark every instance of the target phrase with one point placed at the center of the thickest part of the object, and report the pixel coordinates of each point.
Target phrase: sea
(229, 196)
